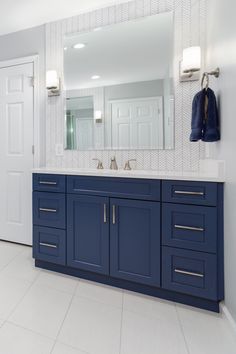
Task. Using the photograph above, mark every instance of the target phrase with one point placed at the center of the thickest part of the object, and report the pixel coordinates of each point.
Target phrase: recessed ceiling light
(95, 77)
(79, 46)
(65, 48)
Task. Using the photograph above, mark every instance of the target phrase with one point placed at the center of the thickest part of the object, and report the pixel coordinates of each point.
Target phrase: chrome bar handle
(190, 228)
(50, 183)
(105, 213)
(188, 193)
(199, 275)
(48, 210)
(47, 245)
(113, 214)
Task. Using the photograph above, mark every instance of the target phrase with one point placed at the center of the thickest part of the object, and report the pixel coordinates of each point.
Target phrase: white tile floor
(47, 313)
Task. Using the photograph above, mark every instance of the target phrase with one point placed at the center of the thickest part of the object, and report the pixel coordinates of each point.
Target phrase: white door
(137, 123)
(16, 155)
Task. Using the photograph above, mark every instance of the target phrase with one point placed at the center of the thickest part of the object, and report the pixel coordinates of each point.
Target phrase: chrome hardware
(199, 275)
(48, 210)
(105, 213)
(48, 183)
(113, 214)
(205, 75)
(113, 165)
(189, 193)
(127, 165)
(191, 228)
(99, 165)
(47, 245)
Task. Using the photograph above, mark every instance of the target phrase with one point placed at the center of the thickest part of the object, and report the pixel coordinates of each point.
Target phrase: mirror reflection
(119, 87)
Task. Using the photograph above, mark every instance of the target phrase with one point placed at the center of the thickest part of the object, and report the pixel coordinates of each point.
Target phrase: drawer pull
(48, 210)
(47, 245)
(199, 275)
(188, 193)
(49, 183)
(191, 228)
(105, 213)
(113, 214)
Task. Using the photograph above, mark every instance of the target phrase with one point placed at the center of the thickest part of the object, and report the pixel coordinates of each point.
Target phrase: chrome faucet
(113, 165)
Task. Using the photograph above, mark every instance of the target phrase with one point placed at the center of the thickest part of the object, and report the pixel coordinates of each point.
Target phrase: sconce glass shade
(191, 59)
(52, 80)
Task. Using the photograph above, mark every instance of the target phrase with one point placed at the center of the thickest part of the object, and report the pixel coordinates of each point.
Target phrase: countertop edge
(197, 177)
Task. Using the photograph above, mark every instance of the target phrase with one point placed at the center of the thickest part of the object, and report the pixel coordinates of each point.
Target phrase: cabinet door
(135, 241)
(88, 233)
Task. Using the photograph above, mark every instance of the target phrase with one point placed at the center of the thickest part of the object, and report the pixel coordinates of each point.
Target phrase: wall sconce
(98, 116)
(191, 64)
(53, 83)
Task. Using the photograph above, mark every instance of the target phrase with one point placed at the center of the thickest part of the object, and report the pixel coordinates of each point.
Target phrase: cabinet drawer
(49, 183)
(49, 244)
(189, 272)
(189, 226)
(49, 209)
(115, 187)
(199, 193)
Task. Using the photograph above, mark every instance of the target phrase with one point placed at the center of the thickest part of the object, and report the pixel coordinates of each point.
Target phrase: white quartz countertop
(164, 175)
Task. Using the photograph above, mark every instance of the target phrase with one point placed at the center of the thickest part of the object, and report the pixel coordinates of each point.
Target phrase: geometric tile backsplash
(189, 29)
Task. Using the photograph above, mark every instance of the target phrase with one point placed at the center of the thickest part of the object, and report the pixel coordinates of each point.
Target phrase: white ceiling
(16, 15)
(133, 51)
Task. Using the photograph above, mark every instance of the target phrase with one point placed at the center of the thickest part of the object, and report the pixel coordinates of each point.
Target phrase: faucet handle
(99, 165)
(127, 165)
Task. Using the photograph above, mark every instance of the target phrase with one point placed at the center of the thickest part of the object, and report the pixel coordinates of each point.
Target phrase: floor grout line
(63, 321)
(182, 329)
(22, 298)
(7, 264)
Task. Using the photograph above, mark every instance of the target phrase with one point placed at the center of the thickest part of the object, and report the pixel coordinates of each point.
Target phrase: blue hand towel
(211, 131)
(205, 119)
(198, 108)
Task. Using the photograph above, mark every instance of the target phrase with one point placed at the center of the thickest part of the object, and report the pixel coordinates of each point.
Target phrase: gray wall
(23, 44)
(134, 90)
(222, 52)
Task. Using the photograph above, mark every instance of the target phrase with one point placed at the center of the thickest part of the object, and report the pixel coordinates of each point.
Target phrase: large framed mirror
(118, 85)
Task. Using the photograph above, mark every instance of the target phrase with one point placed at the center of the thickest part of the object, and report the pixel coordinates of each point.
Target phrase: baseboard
(229, 318)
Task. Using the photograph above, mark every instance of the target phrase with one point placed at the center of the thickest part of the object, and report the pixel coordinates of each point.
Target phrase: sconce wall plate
(55, 92)
(186, 77)
(53, 83)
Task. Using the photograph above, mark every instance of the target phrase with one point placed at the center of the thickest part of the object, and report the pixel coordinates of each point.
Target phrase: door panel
(135, 241)
(88, 233)
(16, 126)
(137, 123)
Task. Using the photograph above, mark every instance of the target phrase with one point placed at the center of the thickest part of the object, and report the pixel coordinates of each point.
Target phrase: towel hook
(206, 74)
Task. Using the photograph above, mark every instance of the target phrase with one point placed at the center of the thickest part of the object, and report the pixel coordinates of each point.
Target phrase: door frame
(33, 59)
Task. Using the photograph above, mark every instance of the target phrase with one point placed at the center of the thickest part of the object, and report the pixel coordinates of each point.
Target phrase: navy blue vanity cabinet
(135, 241)
(161, 238)
(49, 218)
(88, 233)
